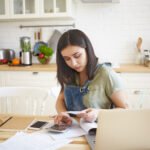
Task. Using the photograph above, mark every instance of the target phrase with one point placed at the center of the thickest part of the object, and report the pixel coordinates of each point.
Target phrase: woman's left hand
(89, 115)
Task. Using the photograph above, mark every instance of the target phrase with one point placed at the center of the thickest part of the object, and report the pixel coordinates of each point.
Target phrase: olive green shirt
(105, 82)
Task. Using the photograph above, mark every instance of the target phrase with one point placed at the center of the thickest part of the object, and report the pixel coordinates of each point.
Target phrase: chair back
(23, 100)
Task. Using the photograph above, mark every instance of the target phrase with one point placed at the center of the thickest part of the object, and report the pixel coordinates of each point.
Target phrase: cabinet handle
(35, 73)
(138, 92)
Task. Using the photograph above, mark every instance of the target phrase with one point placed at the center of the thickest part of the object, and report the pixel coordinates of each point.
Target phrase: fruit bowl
(45, 54)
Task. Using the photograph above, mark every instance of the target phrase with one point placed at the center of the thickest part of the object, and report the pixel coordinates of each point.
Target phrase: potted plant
(45, 54)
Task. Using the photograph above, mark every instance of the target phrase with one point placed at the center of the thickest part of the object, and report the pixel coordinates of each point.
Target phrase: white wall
(112, 28)
(115, 28)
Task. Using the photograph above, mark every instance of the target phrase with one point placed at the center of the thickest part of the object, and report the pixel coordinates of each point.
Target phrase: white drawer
(27, 78)
(138, 98)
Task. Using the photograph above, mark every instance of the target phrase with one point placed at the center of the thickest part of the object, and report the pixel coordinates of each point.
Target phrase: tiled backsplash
(112, 28)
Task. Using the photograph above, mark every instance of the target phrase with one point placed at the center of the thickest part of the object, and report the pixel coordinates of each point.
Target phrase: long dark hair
(65, 74)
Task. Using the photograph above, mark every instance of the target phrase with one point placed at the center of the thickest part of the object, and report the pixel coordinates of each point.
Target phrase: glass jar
(147, 61)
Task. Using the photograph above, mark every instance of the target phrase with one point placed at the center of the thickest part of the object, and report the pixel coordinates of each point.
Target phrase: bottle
(145, 56)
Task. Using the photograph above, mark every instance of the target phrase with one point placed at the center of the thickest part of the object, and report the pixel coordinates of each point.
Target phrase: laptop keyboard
(91, 140)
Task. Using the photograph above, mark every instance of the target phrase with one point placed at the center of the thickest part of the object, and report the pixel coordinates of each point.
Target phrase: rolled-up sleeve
(113, 82)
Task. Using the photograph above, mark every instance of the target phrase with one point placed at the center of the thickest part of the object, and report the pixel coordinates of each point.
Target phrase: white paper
(32, 141)
(73, 112)
(87, 126)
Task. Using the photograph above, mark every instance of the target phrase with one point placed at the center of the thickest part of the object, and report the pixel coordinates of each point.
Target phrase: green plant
(25, 44)
(26, 47)
(47, 51)
(45, 54)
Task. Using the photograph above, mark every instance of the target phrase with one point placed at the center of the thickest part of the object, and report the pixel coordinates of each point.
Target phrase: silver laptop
(120, 129)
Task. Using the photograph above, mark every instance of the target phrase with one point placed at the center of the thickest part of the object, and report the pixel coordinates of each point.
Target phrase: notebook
(123, 129)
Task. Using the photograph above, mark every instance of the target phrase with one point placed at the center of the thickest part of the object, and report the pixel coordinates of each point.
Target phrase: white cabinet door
(56, 8)
(138, 87)
(4, 9)
(24, 8)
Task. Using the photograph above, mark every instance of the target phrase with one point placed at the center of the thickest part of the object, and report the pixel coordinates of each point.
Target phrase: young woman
(86, 85)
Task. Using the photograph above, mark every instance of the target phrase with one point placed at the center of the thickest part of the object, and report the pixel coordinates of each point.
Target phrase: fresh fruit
(44, 60)
(3, 61)
(41, 55)
(16, 61)
(45, 50)
(45, 54)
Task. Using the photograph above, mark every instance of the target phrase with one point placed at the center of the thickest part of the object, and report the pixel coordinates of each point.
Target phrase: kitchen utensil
(8, 54)
(52, 42)
(139, 43)
(139, 55)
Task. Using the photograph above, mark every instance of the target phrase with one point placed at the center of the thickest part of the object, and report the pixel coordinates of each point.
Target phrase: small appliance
(25, 54)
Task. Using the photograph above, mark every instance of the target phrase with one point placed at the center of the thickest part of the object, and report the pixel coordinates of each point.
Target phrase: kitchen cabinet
(25, 9)
(138, 89)
(29, 78)
(13, 9)
(56, 8)
(2, 79)
(4, 9)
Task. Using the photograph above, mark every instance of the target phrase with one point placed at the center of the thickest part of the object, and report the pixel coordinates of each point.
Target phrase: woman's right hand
(63, 118)
(89, 115)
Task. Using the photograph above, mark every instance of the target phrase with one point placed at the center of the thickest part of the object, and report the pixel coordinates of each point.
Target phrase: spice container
(147, 62)
(147, 58)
